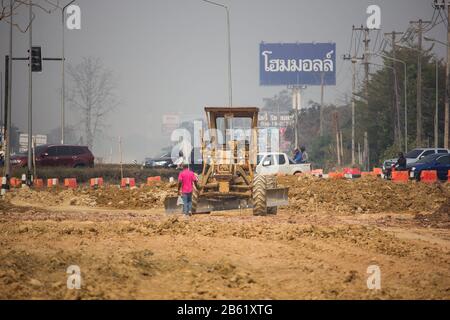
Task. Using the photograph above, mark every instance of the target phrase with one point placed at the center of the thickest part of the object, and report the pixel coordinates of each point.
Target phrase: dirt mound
(50, 197)
(364, 195)
(438, 219)
(306, 194)
(145, 197)
(6, 206)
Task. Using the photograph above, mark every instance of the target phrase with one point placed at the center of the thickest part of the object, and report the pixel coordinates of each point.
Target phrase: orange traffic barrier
(128, 182)
(400, 176)
(377, 171)
(150, 180)
(96, 182)
(52, 182)
(336, 175)
(38, 183)
(428, 176)
(70, 183)
(351, 173)
(15, 182)
(448, 175)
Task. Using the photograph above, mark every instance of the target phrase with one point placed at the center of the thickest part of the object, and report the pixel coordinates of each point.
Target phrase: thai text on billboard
(297, 64)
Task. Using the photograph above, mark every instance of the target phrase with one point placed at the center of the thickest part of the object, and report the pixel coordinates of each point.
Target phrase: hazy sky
(171, 56)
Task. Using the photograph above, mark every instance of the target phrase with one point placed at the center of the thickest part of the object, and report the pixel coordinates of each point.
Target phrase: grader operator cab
(228, 180)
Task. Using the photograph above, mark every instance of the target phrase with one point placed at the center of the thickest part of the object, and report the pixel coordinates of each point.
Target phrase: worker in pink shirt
(186, 181)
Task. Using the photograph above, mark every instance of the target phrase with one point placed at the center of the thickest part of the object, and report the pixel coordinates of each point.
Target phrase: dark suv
(51, 155)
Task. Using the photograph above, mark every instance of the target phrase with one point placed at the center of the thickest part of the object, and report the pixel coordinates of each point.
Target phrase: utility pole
(353, 107)
(8, 106)
(1, 98)
(420, 25)
(366, 65)
(30, 96)
(419, 87)
(366, 60)
(436, 111)
(397, 125)
(336, 128)
(366, 77)
(447, 82)
(5, 111)
(440, 5)
(366, 151)
(354, 59)
(63, 68)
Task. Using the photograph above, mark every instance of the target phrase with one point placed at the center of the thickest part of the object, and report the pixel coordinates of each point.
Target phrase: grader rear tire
(259, 195)
(271, 182)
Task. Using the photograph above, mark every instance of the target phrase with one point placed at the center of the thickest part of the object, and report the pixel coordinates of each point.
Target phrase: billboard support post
(296, 106)
(296, 94)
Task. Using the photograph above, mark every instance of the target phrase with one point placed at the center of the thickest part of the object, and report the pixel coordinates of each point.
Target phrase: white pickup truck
(279, 162)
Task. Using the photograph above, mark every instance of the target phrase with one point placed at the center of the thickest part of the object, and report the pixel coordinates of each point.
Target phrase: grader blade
(170, 204)
(277, 197)
(206, 206)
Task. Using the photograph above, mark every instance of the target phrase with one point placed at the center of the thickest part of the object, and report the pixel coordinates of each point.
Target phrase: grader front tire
(259, 195)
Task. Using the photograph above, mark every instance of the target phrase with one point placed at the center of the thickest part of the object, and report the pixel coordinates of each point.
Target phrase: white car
(279, 162)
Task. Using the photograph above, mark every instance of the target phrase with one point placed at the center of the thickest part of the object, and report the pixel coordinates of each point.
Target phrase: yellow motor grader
(228, 180)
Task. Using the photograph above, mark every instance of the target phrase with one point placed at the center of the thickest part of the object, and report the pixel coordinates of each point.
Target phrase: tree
(70, 136)
(45, 5)
(280, 102)
(381, 120)
(92, 95)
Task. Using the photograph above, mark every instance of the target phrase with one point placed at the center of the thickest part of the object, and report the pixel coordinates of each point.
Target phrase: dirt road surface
(318, 247)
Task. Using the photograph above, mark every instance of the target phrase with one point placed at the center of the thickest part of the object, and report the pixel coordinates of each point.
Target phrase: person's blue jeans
(187, 203)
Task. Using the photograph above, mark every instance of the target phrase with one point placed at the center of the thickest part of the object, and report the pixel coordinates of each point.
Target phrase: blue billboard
(297, 64)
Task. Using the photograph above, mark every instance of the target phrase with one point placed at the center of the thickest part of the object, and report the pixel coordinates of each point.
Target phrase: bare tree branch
(45, 5)
(92, 95)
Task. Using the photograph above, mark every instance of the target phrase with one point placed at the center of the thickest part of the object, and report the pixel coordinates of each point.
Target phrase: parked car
(163, 161)
(52, 155)
(279, 162)
(439, 162)
(412, 157)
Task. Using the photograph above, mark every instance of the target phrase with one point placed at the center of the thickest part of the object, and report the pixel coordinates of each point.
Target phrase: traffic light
(36, 59)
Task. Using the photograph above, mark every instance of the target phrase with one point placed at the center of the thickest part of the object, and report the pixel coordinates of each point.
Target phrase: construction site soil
(318, 247)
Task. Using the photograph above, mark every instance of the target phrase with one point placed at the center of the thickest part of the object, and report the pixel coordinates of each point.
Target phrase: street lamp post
(436, 111)
(405, 93)
(63, 84)
(29, 179)
(230, 85)
(447, 83)
(8, 106)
